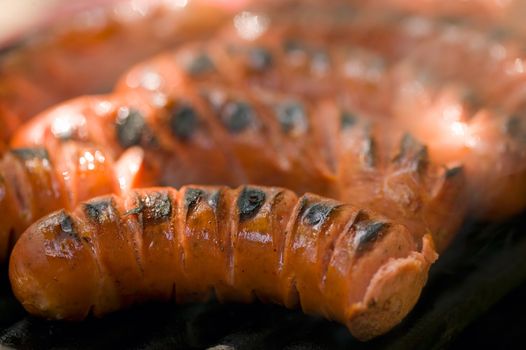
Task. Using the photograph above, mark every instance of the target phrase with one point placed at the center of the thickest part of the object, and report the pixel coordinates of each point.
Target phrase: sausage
(462, 118)
(329, 258)
(86, 52)
(35, 182)
(216, 134)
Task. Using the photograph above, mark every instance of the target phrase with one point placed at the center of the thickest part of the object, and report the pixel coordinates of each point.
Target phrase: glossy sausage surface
(324, 256)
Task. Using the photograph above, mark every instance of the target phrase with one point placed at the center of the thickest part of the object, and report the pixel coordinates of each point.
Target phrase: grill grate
(484, 263)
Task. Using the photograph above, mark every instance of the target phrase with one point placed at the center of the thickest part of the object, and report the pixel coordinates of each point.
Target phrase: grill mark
(130, 127)
(154, 208)
(368, 232)
(237, 116)
(369, 152)
(454, 171)
(200, 65)
(183, 121)
(292, 46)
(514, 128)
(67, 226)
(249, 202)
(412, 153)
(26, 154)
(101, 211)
(192, 196)
(347, 120)
(291, 116)
(213, 200)
(317, 214)
(259, 58)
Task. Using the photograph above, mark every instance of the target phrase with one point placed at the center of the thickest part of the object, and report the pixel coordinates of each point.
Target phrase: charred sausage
(324, 256)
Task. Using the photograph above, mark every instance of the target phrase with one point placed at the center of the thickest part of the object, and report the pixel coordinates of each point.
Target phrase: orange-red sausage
(87, 52)
(216, 134)
(324, 256)
(443, 99)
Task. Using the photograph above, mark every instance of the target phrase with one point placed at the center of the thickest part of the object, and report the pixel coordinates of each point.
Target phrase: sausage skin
(329, 258)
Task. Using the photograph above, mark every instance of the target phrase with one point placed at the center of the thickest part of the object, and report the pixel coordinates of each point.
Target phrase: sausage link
(217, 134)
(35, 182)
(324, 256)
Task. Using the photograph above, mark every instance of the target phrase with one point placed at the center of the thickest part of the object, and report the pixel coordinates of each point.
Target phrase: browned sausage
(242, 137)
(86, 52)
(326, 257)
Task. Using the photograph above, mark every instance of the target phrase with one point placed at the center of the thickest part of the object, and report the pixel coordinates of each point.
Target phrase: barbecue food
(330, 258)
(86, 53)
(327, 106)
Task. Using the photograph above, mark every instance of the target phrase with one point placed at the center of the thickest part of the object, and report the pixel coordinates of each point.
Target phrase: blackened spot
(191, 197)
(259, 58)
(292, 46)
(472, 101)
(291, 116)
(454, 171)
(67, 226)
(183, 121)
(317, 214)
(368, 232)
(237, 116)
(130, 127)
(411, 153)
(156, 207)
(347, 120)
(31, 153)
(514, 128)
(200, 65)
(101, 211)
(369, 152)
(249, 202)
(213, 199)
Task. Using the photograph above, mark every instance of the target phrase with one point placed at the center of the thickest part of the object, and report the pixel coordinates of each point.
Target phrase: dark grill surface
(483, 270)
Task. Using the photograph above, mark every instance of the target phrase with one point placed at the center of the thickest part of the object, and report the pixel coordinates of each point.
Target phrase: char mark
(201, 64)
(368, 232)
(291, 116)
(192, 196)
(411, 153)
(213, 199)
(317, 214)
(183, 121)
(101, 211)
(67, 226)
(237, 116)
(293, 46)
(154, 208)
(259, 58)
(454, 171)
(347, 120)
(369, 152)
(31, 153)
(249, 202)
(130, 127)
(514, 127)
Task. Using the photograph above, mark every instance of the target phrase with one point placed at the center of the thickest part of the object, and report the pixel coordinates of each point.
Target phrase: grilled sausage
(216, 134)
(463, 119)
(329, 258)
(85, 53)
